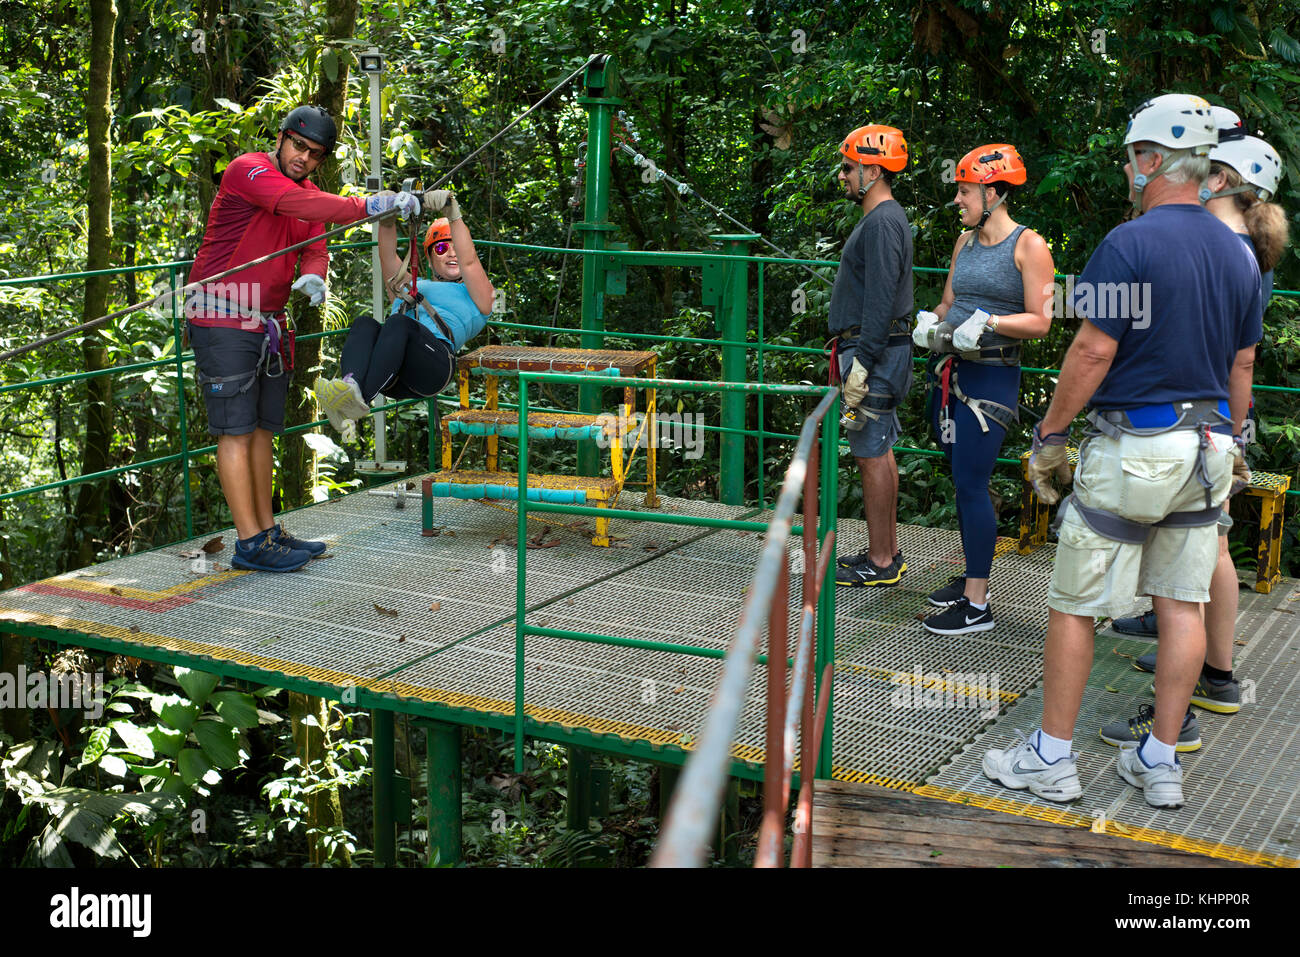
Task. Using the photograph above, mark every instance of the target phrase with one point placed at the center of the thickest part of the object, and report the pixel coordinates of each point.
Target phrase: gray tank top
(986, 277)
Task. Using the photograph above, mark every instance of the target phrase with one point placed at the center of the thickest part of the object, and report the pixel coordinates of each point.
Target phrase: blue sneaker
(261, 554)
(284, 538)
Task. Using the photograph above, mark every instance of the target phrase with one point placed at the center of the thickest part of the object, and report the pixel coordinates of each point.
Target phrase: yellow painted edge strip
(140, 594)
(623, 729)
(908, 678)
(290, 668)
(1072, 819)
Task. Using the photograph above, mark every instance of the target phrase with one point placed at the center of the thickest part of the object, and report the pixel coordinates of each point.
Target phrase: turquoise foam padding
(510, 430)
(483, 370)
(556, 496)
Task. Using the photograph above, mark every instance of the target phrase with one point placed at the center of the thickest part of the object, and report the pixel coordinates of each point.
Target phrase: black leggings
(402, 359)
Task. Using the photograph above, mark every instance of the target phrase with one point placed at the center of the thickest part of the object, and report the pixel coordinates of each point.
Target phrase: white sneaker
(1022, 767)
(340, 400)
(326, 398)
(1161, 785)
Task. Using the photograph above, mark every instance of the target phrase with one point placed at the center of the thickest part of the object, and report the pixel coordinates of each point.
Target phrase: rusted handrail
(691, 816)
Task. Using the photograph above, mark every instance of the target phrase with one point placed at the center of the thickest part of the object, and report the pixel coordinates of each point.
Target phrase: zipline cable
(145, 304)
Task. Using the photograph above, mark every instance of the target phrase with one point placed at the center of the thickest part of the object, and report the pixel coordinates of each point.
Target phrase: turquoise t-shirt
(454, 304)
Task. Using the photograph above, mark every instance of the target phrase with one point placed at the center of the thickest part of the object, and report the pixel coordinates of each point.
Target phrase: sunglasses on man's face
(302, 146)
(441, 246)
(846, 167)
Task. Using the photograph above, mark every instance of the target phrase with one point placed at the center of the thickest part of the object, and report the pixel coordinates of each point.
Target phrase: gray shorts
(891, 376)
(223, 353)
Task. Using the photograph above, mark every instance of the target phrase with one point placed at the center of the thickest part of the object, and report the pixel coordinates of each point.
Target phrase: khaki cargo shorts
(1143, 478)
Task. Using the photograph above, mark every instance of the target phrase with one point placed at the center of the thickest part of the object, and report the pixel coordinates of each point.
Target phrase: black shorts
(222, 353)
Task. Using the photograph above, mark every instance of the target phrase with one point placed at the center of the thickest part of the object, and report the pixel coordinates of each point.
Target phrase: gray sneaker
(1123, 733)
(1162, 785)
(1210, 695)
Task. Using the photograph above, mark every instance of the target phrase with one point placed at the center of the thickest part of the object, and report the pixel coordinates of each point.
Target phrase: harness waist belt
(1166, 417)
(1120, 529)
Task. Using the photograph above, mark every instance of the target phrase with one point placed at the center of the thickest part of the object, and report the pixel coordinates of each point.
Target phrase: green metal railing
(828, 490)
(731, 256)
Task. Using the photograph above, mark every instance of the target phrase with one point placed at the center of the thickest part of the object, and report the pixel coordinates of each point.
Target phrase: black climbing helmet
(313, 123)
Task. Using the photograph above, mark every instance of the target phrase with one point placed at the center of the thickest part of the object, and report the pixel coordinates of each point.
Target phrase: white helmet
(1229, 124)
(1174, 120)
(1255, 161)
(1177, 121)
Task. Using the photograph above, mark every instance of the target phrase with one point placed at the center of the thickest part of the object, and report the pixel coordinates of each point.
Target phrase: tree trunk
(297, 462)
(88, 514)
(324, 809)
(15, 722)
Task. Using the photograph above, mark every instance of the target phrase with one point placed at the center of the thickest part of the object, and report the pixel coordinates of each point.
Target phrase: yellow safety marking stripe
(568, 719)
(910, 678)
(90, 586)
(1073, 819)
(863, 777)
(230, 655)
(1004, 546)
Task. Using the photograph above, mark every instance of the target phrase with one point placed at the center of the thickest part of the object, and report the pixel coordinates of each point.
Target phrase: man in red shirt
(243, 343)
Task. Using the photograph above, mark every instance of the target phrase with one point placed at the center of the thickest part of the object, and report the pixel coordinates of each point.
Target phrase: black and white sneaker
(960, 618)
(869, 573)
(849, 561)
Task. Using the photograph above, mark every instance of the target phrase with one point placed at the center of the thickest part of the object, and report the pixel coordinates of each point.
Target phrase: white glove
(925, 322)
(442, 202)
(312, 285)
(967, 335)
(406, 204)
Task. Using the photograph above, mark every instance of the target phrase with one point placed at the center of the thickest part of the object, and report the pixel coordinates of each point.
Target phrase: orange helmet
(439, 229)
(992, 163)
(876, 145)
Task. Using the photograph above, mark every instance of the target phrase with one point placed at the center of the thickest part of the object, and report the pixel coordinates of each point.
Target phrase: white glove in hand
(925, 322)
(855, 385)
(407, 204)
(967, 335)
(309, 284)
(442, 202)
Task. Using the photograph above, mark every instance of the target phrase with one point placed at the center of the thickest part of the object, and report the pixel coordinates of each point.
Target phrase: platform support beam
(381, 723)
(601, 102)
(444, 751)
(732, 319)
(579, 787)
(729, 825)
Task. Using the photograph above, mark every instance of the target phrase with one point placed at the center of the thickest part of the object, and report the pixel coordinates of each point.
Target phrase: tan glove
(855, 385)
(442, 202)
(1240, 471)
(1048, 459)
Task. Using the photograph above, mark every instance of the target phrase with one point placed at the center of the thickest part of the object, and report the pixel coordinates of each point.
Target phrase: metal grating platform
(686, 585)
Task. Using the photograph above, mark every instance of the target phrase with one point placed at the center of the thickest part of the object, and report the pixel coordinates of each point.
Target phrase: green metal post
(579, 785)
(668, 775)
(729, 825)
(601, 101)
(830, 497)
(381, 723)
(180, 404)
(521, 590)
(444, 791)
(733, 312)
(762, 461)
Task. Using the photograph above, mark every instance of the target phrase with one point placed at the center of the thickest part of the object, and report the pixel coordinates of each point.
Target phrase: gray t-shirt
(873, 286)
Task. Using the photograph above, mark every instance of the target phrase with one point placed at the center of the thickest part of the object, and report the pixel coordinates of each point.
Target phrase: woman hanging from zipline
(412, 355)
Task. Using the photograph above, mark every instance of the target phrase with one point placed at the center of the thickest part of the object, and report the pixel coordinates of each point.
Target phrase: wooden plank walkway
(863, 825)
